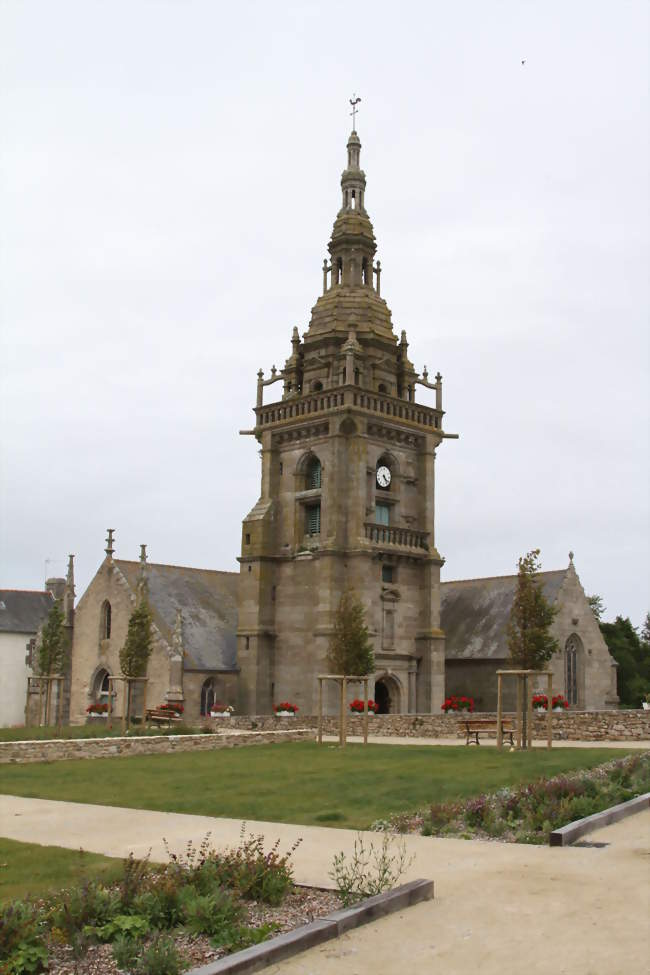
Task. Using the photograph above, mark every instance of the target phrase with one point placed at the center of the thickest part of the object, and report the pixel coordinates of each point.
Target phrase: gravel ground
(301, 906)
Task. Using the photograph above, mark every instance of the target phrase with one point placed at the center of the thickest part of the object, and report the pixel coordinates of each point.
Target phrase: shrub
(130, 925)
(369, 871)
(209, 914)
(21, 941)
(159, 958)
(81, 907)
(125, 952)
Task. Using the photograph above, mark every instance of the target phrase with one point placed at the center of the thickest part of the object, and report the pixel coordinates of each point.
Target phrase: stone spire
(142, 580)
(109, 542)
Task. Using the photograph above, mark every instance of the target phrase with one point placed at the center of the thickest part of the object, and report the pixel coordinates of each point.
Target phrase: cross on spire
(354, 101)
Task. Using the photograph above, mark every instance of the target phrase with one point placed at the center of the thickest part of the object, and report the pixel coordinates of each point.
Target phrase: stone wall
(571, 725)
(62, 749)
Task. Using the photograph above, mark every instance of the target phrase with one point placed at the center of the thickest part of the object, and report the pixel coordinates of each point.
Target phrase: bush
(21, 940)
(125, 952)
(159, 958)
(369, 871)
(209, 914)
(87, 906)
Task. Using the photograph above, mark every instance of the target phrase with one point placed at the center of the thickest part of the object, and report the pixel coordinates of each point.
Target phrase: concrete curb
(569, 834)
(325, 929)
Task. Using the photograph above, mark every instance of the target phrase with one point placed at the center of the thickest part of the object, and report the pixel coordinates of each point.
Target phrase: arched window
(313, 474)
(364, 271)
(339, 270)
(100, 685)
(571, 657)
(208, 696)
(382, 388)
(105, 624)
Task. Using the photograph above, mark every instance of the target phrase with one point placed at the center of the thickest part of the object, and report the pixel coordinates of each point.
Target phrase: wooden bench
(477, 726)
(161, 716)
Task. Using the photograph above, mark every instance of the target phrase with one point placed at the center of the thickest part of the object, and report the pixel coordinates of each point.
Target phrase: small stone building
(22, 612)
(474, 616)
(194, 623)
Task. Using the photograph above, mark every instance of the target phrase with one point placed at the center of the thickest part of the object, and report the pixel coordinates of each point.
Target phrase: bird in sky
(523, 61)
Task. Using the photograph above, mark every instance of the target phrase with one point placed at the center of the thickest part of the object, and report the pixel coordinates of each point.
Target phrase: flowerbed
(558, 702)
(456, 703)
(530, 813)
(356, 706)
(163, 919)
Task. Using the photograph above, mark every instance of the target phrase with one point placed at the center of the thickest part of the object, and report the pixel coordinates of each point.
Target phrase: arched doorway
(387, 695)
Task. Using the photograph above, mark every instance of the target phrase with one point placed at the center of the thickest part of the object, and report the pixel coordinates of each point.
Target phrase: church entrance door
(387, 696)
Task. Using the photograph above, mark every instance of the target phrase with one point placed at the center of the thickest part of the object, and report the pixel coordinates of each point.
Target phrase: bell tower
(347, 492)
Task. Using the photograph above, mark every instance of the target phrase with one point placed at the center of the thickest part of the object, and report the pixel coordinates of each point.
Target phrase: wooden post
(341, 714)
(519, 714)
(499, 711)
(365, 710)
(144, 701)
(59, 699)
(27, 703)
(40, 702)
(344, 714)
(529, 709)
(125, 685)
(320, 710)
(549, 710)
(109, 714)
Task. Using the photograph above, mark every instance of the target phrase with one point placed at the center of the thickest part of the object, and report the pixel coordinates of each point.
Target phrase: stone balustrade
(404, 537)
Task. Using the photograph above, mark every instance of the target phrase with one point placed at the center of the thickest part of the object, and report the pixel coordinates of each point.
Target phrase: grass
(296, 782)
(30, 870)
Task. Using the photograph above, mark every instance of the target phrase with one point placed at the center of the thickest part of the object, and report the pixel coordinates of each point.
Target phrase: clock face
(383, 477)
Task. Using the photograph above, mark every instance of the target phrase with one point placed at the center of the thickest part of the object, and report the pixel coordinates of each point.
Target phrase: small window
(313, 474)
(281, 467)
(250, 568)
(106, 621)
(312, 525)
(387, 573)
(248, 643)
(382, 388)
(382, 514)
(317, 386)
(248, 539)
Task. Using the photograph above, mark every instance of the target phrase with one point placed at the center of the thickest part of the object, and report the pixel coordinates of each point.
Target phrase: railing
(377, 403)
(406, 537)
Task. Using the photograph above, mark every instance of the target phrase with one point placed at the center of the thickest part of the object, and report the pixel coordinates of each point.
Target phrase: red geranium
(458, 703)
(171, 706)
(97, 708)
(285, 706)
(357, 706)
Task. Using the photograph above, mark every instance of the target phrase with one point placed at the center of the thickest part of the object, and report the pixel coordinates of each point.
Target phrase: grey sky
(169, 178)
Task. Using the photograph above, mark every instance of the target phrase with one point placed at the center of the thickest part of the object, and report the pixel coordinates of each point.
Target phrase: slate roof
(208, 600)
(474, 613)
(23, 610)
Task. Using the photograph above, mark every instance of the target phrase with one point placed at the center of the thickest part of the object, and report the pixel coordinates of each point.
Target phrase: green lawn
(297, 782)
(28, 869)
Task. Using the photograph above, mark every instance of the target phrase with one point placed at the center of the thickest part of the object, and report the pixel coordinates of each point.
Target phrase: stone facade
(347, 494)
(475, 615)
(194, 621)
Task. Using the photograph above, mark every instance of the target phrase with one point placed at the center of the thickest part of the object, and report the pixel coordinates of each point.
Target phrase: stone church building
(347, 500)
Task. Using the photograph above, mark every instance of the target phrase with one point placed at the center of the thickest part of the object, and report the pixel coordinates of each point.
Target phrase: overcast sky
(169, 179)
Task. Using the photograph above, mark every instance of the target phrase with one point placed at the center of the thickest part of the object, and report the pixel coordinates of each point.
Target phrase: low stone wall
(62, 749)
(570, 725)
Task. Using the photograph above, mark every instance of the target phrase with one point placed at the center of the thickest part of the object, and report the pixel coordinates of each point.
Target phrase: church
(347, 501)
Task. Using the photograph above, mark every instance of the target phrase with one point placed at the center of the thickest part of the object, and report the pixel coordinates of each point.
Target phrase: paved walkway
(537, 743)
(498, 908)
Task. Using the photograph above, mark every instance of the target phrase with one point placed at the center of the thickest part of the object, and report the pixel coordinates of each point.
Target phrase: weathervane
(354, 101)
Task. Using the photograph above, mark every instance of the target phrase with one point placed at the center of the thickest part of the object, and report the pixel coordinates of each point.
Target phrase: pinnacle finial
(571, 557)
(354, 101)
(109, 542)
(143, 554)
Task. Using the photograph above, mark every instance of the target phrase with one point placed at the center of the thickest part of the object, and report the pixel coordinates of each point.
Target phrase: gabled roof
(208, 601)
(474, 613)
(23, 610)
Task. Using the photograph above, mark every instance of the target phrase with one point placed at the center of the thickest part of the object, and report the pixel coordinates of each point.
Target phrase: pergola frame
(47, 678)
(343, 680)
(525, 702)
(127, 681)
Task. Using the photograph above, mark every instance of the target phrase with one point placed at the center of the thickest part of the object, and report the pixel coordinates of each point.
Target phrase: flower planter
(219, 714)
(285, 714)
(559, 709)
(646, 705)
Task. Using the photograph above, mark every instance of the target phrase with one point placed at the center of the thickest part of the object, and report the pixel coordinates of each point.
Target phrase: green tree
(350, 649)
(51, 649)
(138, 645)
(137, 648)
(597, 606)
(632, 654)
(530, 641)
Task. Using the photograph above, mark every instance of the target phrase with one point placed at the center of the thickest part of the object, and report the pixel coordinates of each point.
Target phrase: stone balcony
(316, 405)
(393, 537)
